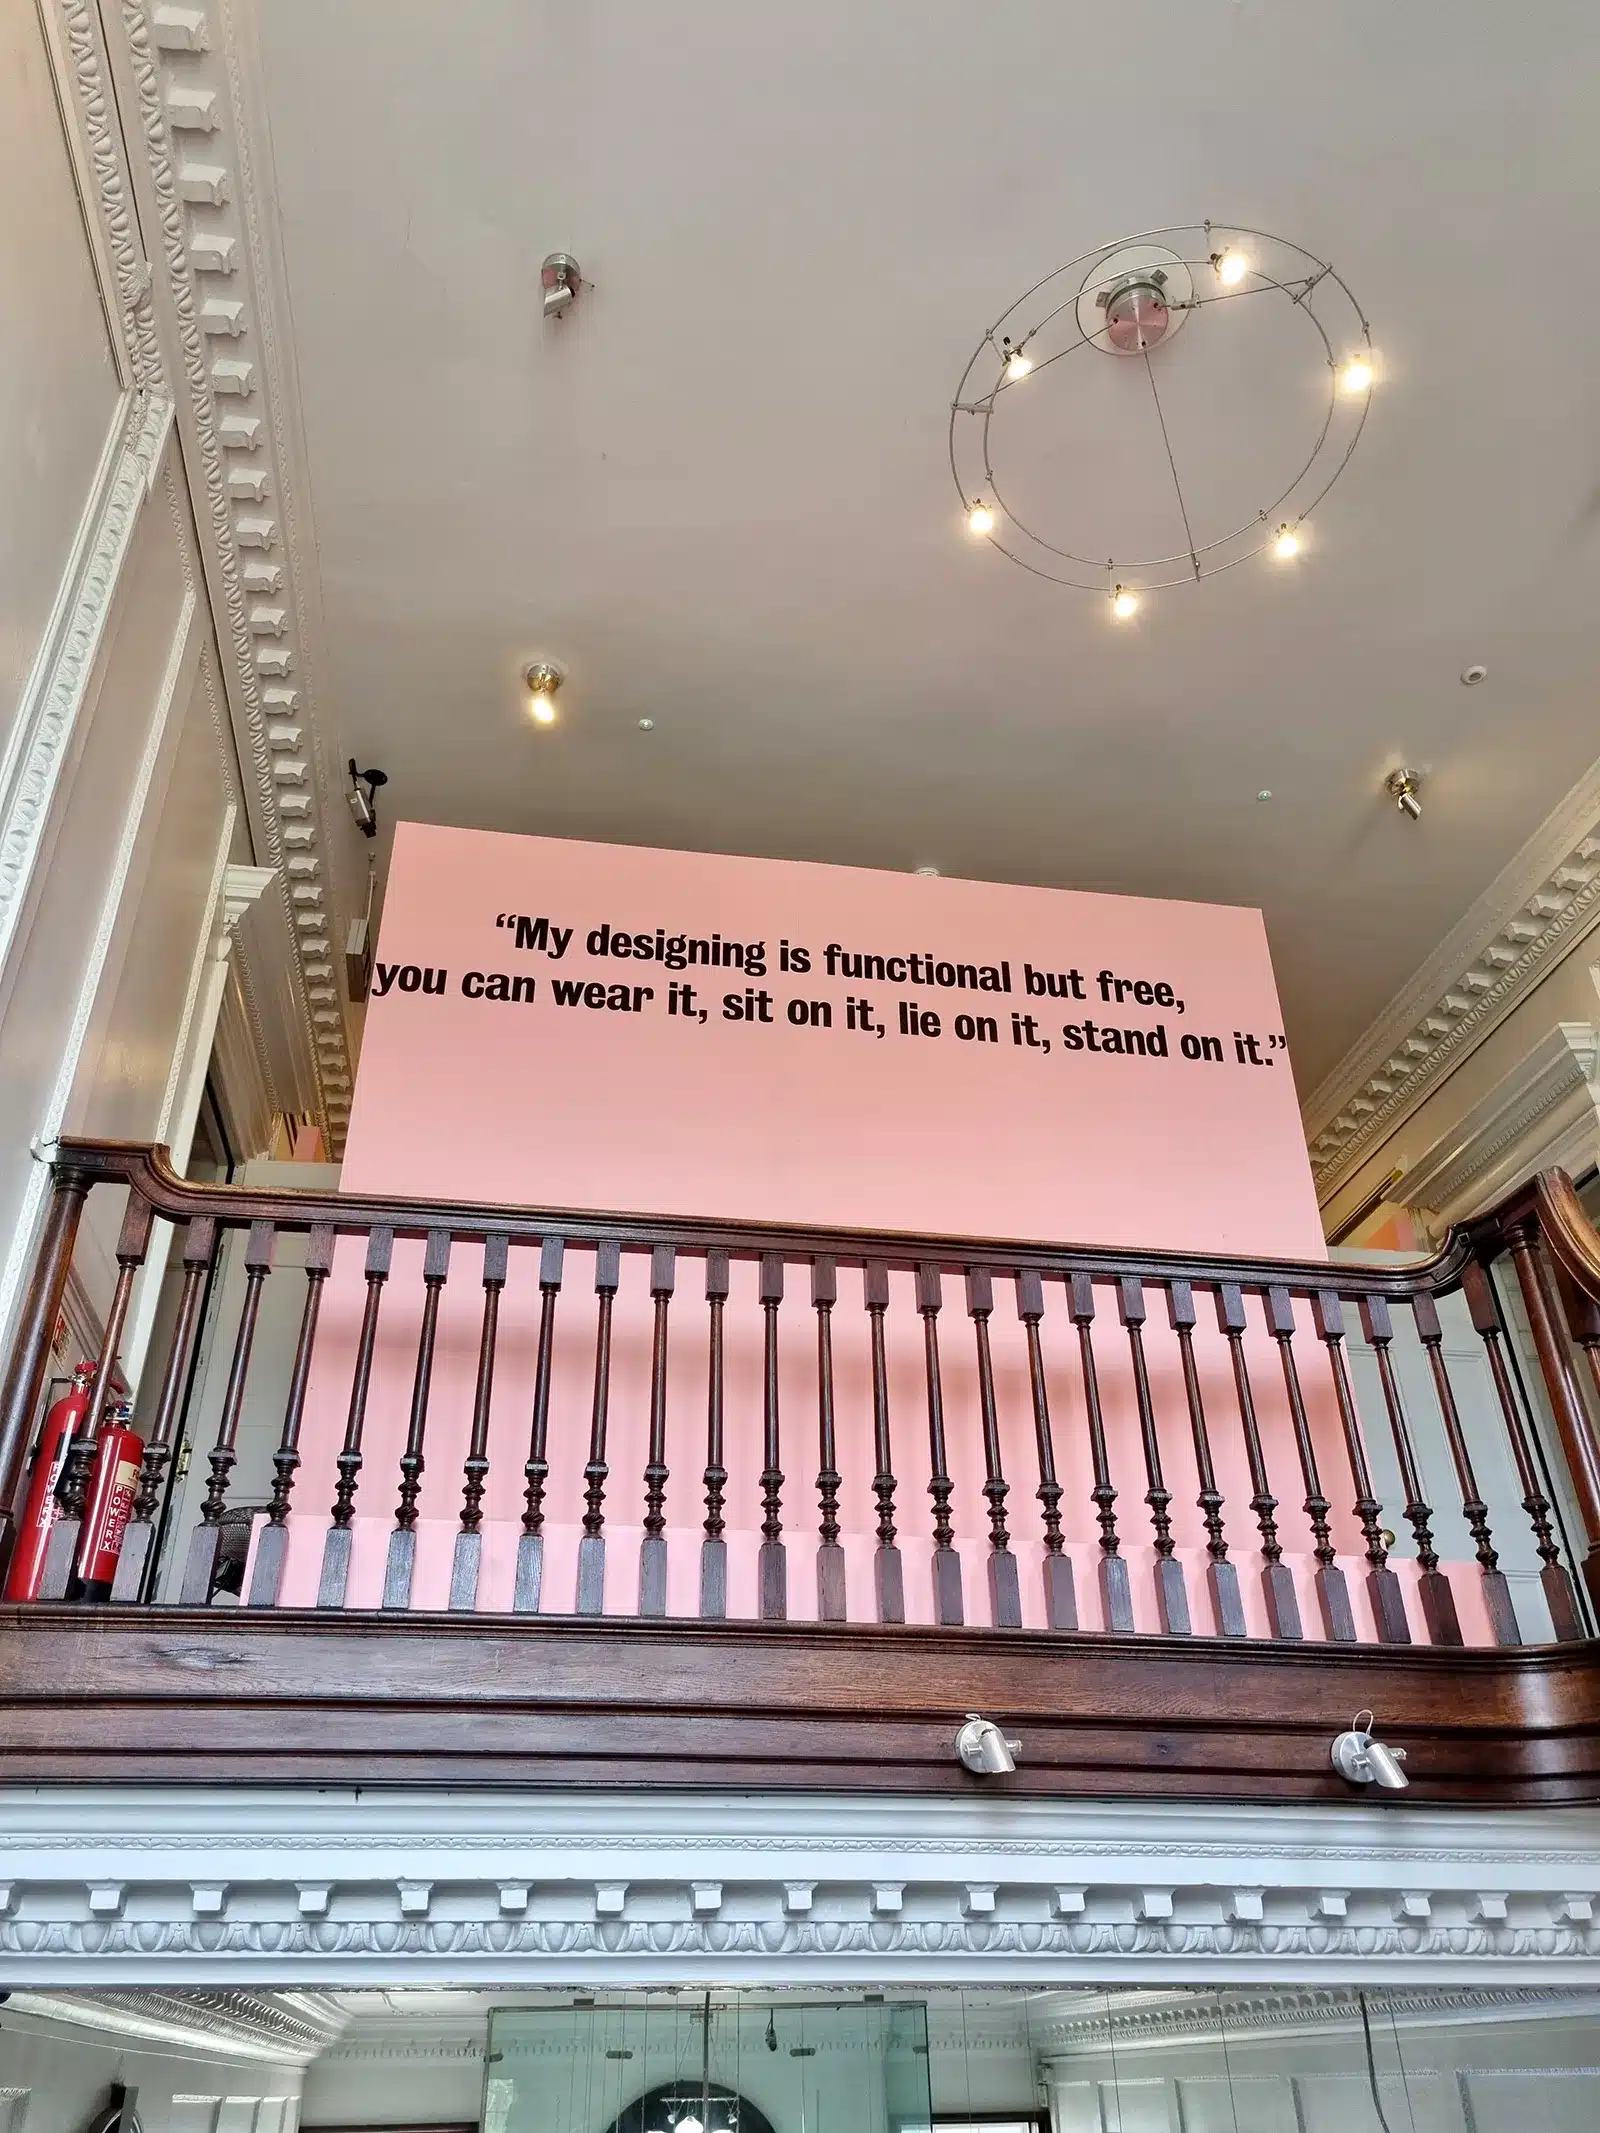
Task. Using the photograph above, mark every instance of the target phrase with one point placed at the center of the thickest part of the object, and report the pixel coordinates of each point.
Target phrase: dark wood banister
(147, 1169)
(1544, 1210)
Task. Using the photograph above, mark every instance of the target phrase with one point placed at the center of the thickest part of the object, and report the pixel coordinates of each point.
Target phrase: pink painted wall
(538, 1104)
(568, 1107)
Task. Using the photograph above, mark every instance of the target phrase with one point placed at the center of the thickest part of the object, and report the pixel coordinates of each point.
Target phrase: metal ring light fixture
(1129, 299)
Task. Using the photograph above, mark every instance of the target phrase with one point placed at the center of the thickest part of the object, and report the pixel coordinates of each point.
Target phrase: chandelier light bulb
(1018, 363)
(542, 705)
(1124, 604)
(980, 520)
(1232, 267)
(1356, 376)
(1286, 544)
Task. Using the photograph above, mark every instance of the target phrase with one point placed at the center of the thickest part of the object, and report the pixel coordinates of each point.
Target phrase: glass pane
(723, 2063)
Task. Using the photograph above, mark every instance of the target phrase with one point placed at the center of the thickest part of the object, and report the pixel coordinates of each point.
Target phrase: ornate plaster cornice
(185, 103)
(553, 1887)
(36, 756)
(1292, 2011)
(286, 2028)
(1536, 911)
(1547, 1113)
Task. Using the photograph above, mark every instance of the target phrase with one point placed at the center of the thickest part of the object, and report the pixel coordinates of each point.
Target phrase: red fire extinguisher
(40, 1510)
(108, 1505)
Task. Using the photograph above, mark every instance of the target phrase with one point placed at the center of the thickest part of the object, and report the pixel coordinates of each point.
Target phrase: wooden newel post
(30, 1349)
(1566, 1402)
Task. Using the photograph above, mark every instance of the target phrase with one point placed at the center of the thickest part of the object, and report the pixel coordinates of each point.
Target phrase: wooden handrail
(1543, 1227)
(1572, 1238)
(147, 1169)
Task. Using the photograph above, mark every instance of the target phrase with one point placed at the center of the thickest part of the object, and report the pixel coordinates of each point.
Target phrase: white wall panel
(59, 387)
(53, 2075)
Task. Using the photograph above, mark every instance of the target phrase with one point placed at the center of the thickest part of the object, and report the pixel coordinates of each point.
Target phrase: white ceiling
(718, 491)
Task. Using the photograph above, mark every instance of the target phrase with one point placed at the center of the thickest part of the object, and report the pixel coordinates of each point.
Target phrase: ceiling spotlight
(1402, 786)
(1286, 543)
(1356, 375)
(1018, 362)
(560, 280)
(1363, 1760)
(1232, 266)
(984, 1749)
(362, 795)
(1471, 676)
(1265, 793)
(930, 873)
(544, 677)
(1124, 604)
(980, 520)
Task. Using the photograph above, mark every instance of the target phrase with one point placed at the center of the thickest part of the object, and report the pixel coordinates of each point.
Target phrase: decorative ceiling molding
(1291, 2011)
(185, 104)
(1547, 1114)
(286, 2028)
(1538, 909)
(36, 756)
(77, 49)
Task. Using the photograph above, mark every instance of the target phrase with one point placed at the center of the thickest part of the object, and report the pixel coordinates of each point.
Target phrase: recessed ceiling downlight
(1471, 676)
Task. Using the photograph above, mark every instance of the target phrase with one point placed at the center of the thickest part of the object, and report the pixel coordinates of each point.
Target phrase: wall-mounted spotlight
(561, 281)
(1403, 785)
(544, 677)
(1361, 1759)
(362, 796)
(984, 1749)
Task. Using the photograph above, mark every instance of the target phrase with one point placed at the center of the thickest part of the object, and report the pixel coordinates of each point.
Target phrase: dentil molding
(284, 2028)
(185, 152)
(107, 1885)
(1538, 909)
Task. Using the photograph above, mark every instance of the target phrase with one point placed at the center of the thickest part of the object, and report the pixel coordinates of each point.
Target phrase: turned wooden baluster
(467, 1561)
(591, 1598)
(1566, 1618)
(1438, 1601)
(1222, 1579)
(1277, 1582)
(830, 1556)
(888, 1574)
(29, 1360)
(335, 1577)
(1005, 1591)
(199, 1254)
(1333, 1594)
(272, 1542)
(61, 1551)
(1496, 1592)
(1116, 1597)
(653, 1545)
(401, 1566)
(772, 1570)
(1060, 1594)
(714, 1549)
(1172, 1598)
(529, 1580)
(1566, 1403)
(206, 1539)
(1384, 1590)
(947, 1599)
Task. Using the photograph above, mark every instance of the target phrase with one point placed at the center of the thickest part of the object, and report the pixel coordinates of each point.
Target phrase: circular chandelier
(1134, 301)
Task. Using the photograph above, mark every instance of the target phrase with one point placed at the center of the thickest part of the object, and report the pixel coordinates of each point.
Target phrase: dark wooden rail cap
(121, 1694)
